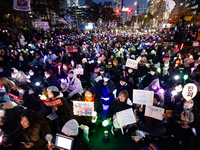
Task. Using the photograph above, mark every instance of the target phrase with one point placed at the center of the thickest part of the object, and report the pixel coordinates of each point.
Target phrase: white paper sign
(154, 112)
(97, 79)
(189, 91)
(195, 44)
(143, 97)
(126, 117)
(83, 108)
(79, 71)
(131, 63)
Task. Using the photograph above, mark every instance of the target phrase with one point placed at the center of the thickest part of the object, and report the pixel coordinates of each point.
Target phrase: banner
(71, 49)
(143, 97)
(125, 117)
(154, 112)
(83, 108)
(131, 63)
(41, 24)
(22, 5)
(15, 98)
(2, 89)
(53, 103)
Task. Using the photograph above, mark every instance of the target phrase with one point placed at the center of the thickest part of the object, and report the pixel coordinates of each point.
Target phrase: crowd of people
(63, 66)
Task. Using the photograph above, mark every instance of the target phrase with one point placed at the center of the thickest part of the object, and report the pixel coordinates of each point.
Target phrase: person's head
(71, 128)
(122, 81)
(153, 71)
(50, 52)
(102, 69)
(48, 73)
(30, 119)
(123, 96)
(84, 60)
(130, 70)
(178, 87)
(65, 67)
(31, 72)
(89, 93)
(188, 104)
(156, 99)
(22, 88)
(106, 77)
(37, 55)
(14, 72)
(69, 55)
(71, 74)
(52, 92)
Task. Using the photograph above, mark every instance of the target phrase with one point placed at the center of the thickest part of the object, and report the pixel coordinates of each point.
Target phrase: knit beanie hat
(53, 88)
(71, 127)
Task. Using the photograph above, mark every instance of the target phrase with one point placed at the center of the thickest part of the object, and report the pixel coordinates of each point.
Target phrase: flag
(22, 5)
(62, 20)
(68, 18)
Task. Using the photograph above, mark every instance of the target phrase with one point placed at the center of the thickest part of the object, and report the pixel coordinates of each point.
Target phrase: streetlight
(135, 3)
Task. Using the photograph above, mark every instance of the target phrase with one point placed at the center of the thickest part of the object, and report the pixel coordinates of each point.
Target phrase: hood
(59, 96)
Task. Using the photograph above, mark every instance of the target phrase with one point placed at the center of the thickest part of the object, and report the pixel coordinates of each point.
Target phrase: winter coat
(74, 86)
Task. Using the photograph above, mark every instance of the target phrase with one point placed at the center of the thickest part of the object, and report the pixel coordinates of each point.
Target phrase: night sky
(128, 3)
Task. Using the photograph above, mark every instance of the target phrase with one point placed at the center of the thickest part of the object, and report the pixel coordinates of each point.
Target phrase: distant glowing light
(174, 92)
(37, 83)
(105, 123)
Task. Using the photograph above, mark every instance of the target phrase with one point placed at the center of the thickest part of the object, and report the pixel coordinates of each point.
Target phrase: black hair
(157, 97)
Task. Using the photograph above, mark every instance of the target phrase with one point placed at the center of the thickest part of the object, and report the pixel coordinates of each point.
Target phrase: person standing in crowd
(105, 87)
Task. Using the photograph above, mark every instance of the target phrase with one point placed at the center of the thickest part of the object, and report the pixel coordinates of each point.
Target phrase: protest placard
(53, 103)
(143, 97)
(97, 79)
(131, 63)
(189, 91)
(83, 108)
(2, 89)
(79, 71)
(126, 117)
(154, 112)
(15, 98)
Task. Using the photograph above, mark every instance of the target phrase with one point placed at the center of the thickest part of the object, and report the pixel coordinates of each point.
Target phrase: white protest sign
(97, 79)
(125, 117)
(154, 112)
(79, 71)
(83, 108)
(143, 97)
(41, 24)
(189, 91)
(131, 63)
